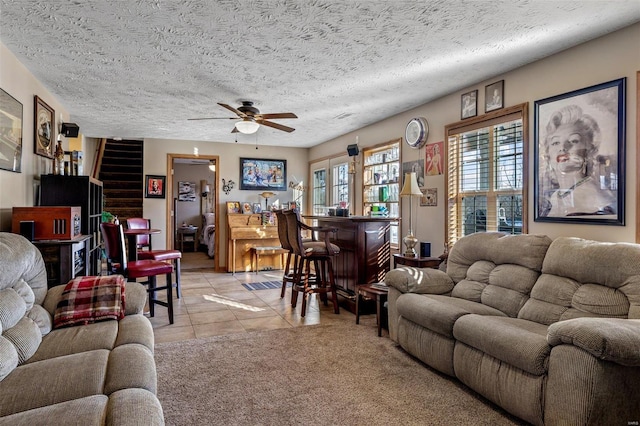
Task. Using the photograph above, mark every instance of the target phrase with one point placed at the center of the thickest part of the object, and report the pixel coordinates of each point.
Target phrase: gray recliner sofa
(95, 374)
(547, 330)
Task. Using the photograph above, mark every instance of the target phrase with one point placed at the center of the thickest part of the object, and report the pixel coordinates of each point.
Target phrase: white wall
(155, 163)
(16, 189)
(607, 58)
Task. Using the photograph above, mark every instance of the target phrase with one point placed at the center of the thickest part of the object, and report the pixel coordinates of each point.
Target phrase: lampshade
(206, 189)
(247, 126)
(212, 166)
(267, 194)
(410, 186)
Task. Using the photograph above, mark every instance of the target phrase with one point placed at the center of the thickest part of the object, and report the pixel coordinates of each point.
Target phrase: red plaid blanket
(90, 299)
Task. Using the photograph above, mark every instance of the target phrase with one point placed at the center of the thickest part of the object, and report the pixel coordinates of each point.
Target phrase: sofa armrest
(135, 298)
(408, 279)
(610, 339)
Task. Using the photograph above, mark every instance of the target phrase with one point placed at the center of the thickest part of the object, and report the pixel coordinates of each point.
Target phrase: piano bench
(267, 251)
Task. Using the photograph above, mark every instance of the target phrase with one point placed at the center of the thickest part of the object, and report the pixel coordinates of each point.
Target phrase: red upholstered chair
(146, 252)
(118, 263)
(321, 253)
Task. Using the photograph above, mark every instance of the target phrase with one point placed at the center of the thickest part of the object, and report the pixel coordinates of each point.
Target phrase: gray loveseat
(95, 374)
(549, 331)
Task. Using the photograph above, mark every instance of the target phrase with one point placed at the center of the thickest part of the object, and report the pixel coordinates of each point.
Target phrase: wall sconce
(227, 186)
(205, 188)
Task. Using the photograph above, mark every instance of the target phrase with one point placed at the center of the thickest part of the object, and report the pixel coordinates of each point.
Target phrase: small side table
(368, 290)
(416, 262)
(187, 234)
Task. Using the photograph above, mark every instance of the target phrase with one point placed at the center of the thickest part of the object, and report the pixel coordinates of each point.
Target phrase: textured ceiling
(141, 68)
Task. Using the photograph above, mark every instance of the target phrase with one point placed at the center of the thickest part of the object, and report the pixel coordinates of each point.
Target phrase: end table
(416, 262)
(378, 293)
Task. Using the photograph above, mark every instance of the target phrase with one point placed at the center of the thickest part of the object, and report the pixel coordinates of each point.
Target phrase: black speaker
(352, 150)
(27, 229)
(70, 130)
(425, 249)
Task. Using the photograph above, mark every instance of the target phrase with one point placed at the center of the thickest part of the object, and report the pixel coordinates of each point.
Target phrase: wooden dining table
(132, 240)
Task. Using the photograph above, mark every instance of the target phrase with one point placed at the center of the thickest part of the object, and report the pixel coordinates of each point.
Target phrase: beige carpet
(316, 375)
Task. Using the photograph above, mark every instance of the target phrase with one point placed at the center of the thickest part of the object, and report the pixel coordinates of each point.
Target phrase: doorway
(193, 194)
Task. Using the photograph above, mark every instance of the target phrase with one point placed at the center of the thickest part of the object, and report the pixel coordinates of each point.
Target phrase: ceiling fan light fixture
(247, 126)
(212, 166)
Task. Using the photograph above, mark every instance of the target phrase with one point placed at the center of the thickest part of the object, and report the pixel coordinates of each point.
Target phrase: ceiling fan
(251, 118)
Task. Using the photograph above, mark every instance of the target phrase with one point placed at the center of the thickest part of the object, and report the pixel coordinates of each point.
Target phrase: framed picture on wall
(261, 174)
(44, 128)
(494, 96)
(187, 191)
(580, 156)
(469, 104)
(154, 186)
(10, 133)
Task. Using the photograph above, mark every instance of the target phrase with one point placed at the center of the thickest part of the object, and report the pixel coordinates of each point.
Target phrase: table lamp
(410, 189)
(266, 195)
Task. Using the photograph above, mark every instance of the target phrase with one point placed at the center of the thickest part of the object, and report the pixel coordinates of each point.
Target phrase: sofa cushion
(89, 410)
(71, 340)
(438, 313)
(525, 250)
(53, 381)
(25, 336)
(12, 308)
(517, 342)
(42, 319)
(497, 270)
(8, 357)
(22, 260)
(582, 278)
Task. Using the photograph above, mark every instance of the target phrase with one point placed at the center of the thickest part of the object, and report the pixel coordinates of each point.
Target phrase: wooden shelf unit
(83, 191)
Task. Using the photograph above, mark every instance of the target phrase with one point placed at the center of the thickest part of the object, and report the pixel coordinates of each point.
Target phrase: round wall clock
(416, 133)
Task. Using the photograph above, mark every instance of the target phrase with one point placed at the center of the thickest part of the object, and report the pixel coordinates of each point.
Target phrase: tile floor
(217, 303)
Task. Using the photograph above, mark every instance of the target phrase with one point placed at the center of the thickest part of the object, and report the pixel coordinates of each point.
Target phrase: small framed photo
(45, 128)
(154, 186)
(429, 197)
(247, 208)
(494, 96)
(257, 207)
(469, 107)
(233, 207)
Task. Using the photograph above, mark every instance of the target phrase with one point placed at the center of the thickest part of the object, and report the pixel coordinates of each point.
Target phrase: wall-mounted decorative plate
(416, 133)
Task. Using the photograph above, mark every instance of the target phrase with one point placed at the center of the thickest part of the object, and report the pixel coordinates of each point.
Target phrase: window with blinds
(487, 179)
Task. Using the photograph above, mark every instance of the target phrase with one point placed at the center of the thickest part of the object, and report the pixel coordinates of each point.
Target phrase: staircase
(121, 176)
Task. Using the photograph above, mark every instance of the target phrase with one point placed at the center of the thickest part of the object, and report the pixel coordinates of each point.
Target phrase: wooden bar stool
(321, 253)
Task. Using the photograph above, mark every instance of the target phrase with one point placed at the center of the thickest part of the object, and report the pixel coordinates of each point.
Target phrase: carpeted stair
(122, 179)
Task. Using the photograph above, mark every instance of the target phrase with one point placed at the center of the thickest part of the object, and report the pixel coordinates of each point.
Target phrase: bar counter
(365, 252)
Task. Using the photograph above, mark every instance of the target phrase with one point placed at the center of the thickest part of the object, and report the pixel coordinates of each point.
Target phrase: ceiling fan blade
(276, 126)
(279, 115)
(233, 110)
(213, 118)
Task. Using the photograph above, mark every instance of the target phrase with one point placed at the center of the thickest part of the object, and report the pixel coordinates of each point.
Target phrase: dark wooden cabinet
(365, 251)
(65, 259)
(83, 191)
